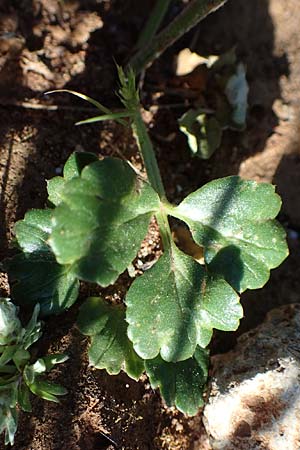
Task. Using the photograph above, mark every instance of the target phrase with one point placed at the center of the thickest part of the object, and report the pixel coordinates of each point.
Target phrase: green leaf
(49, 387)
(104, 216)
(51, 360)
(7, 369)
(203, 133)
(36, 275)
(8, 379)
(182, 383)
(32, 329)
(9, 423)
(42, 388)
(7, 352)
(39, 278)
(39, 366)
(40, 392)
(29, 375)
(88, 99)
(174, 306)
(21, 357)
(23, 397)
(232, 219)
(73, 168)
(54, 188)
(32, 232)
(113, 116)
(110, 347)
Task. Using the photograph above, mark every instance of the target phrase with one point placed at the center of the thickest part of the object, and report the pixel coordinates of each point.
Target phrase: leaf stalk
(146, 149)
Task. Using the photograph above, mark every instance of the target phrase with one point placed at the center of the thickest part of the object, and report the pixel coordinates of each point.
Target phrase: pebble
(254, 401)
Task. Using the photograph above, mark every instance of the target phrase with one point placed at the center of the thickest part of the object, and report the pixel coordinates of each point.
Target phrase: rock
(254, 402)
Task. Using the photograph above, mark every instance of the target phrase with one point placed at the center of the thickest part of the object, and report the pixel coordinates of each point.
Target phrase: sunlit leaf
(203, 133)
(104, 216)
(174, 306)
(88, 99)
(73, 168)
(104, 117)
(51, 360)
(32, 329)
(9, 424)
(233, 220)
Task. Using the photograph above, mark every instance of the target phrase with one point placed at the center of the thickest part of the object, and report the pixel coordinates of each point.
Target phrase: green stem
(146, 149)
(153, 23)
(187, 19)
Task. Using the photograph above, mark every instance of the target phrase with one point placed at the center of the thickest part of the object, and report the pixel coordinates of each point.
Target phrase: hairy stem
(146, 149)
(187, 19)
(153, 23)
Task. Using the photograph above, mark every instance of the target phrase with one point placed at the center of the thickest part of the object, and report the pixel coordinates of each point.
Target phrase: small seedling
(18, 375)
(98, 216)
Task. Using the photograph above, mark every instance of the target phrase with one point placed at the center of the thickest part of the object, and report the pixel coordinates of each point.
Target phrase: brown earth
(48, 44)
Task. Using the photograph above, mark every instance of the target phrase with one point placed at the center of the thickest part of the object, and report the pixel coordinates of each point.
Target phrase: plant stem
(146, 149)
(153, 23)
(187, 19)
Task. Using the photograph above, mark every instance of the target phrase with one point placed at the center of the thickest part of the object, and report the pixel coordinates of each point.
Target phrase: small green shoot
(18, 376)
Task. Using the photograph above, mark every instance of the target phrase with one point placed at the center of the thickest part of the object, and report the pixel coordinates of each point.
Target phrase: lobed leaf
(232, 219)
(32, 232)
(36, 275)
(182, 383)
(110, 347)
(73, 168)
(174, 306)
(103, 218)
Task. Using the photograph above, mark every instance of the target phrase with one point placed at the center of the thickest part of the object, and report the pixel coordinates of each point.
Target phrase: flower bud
(10, 326)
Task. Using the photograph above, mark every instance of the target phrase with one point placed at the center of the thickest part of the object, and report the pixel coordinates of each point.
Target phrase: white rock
(254, 402)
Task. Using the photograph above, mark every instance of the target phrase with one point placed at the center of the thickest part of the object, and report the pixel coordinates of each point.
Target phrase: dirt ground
(49, 44)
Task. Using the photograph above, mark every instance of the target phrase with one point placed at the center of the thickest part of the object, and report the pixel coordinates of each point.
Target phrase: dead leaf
(185, 242)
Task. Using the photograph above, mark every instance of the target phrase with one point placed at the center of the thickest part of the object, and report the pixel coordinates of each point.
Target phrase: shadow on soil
(245, 24)
(248, 27)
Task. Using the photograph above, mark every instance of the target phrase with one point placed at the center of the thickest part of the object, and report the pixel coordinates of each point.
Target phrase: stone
(254, 401)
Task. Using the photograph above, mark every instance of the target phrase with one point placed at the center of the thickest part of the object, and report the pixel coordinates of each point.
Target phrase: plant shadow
(245, 24)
